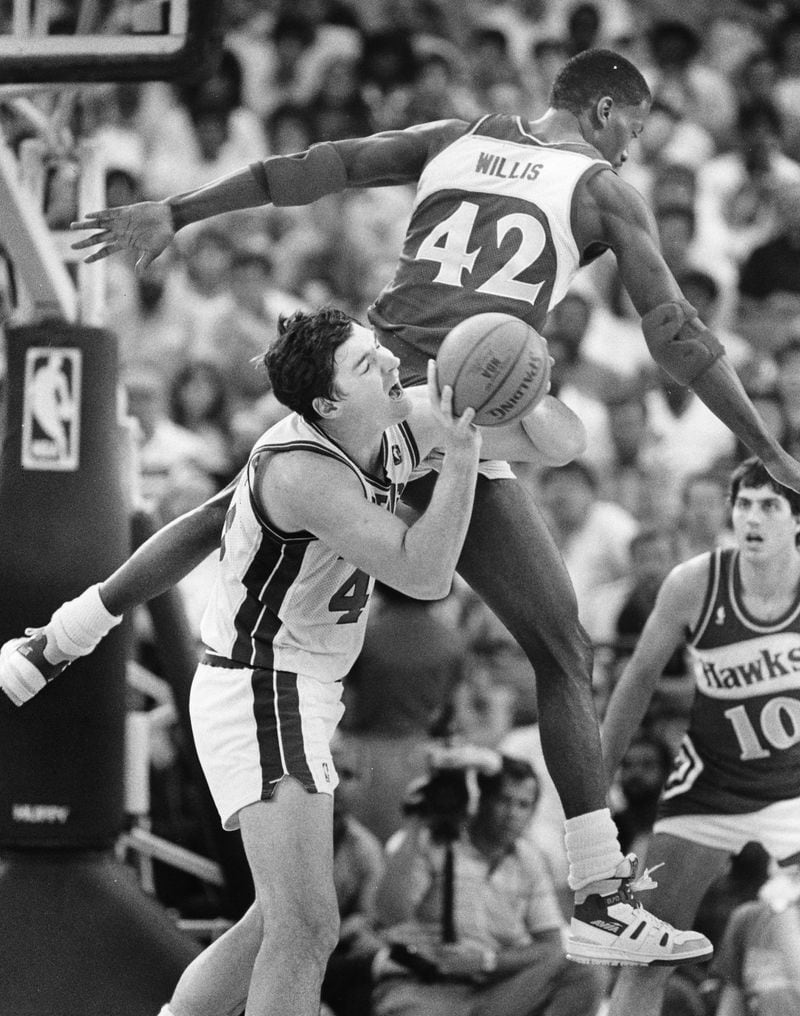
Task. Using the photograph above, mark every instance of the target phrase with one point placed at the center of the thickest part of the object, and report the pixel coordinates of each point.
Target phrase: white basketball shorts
(254, 727)
(776, 827)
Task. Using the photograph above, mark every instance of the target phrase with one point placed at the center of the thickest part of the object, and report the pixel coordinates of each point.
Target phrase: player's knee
(309, 922)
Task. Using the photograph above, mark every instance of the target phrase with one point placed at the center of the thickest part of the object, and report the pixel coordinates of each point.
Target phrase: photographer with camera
(468, 906)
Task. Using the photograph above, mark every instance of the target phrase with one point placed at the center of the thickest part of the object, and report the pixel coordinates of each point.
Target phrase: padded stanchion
(63, 526)
(79, 936)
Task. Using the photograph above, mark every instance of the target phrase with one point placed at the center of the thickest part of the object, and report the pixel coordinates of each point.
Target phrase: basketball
(497, 364)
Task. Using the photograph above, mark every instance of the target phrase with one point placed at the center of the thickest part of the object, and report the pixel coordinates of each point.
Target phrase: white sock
(166, 1011)
(593, 849)
(78, 625)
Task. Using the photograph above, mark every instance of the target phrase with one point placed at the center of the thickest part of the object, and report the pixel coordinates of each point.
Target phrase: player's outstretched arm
(168, 556)
(148, 227)
(678, 604)
(678, 341)
(28, 663)
(380, 160)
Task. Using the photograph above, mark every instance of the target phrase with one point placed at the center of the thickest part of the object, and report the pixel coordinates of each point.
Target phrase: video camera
(445, 798)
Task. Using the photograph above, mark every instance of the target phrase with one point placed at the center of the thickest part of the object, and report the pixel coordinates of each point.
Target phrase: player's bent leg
(511, 561)
(217, 981)
(289, 845)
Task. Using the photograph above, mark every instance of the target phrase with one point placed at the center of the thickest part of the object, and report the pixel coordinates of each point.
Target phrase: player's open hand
(145, 227)
(459, 431)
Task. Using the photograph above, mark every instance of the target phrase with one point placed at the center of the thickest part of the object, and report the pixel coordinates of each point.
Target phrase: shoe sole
(596, 955)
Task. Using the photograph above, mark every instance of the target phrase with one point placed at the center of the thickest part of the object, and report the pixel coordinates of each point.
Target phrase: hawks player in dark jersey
(507, 211)
(737, 774)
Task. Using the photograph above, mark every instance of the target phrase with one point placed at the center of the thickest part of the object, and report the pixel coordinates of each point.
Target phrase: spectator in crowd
(583, 27)
(337, 108)
(152, 316)
(593, 537)
(703, 521)
(210, 131)
(642, 772)
(632, 478)
(199, 401)
(756, 964)
(437, 91)
(736, 203)
(395, 693)
(769, 280)
(670, 139)
(746, 874)
(200, 279)
(489, 64)
(165, 447)
(388, 69)
(245, 323)
(653, 553)
(784, 42)
(680, 77)
(507, 953)
(689, 437)
(717, 302)
(711, 280)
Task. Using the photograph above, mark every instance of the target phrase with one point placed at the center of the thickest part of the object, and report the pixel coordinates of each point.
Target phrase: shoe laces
(631, 884)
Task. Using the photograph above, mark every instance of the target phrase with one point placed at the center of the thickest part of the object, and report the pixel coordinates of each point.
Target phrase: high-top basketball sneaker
(611, 927)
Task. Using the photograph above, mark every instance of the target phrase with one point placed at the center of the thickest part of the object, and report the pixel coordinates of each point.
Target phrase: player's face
(763, 523)
(622, 126)
(367, 378)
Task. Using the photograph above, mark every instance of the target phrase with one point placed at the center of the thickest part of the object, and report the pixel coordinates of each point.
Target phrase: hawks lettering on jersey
(742, 746)
(286, 601)
(491, 230)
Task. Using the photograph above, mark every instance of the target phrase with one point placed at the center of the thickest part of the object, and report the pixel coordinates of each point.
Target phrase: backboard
(46, 41)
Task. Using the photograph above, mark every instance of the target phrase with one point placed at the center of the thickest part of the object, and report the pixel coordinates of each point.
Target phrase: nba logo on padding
(51, 410)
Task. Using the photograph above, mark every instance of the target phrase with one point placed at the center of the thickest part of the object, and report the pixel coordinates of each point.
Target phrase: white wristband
(78, 625)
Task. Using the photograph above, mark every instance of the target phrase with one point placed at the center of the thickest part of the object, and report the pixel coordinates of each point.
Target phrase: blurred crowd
(719, 162)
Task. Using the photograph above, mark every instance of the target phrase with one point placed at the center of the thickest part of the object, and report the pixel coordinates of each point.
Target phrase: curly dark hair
(301, 362)
(590, 75)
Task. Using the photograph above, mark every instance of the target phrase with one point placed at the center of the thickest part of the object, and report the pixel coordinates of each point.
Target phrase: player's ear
(325, 407)
(602, 110)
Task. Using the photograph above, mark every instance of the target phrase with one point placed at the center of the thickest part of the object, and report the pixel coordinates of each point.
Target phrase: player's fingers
(466, 418)
(92, 241)
(104, 252)
(85, 223)
(434, 396)
(104, 214)
(446, 402)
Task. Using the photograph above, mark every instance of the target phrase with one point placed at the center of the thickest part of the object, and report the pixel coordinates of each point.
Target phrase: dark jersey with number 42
(491, 229)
